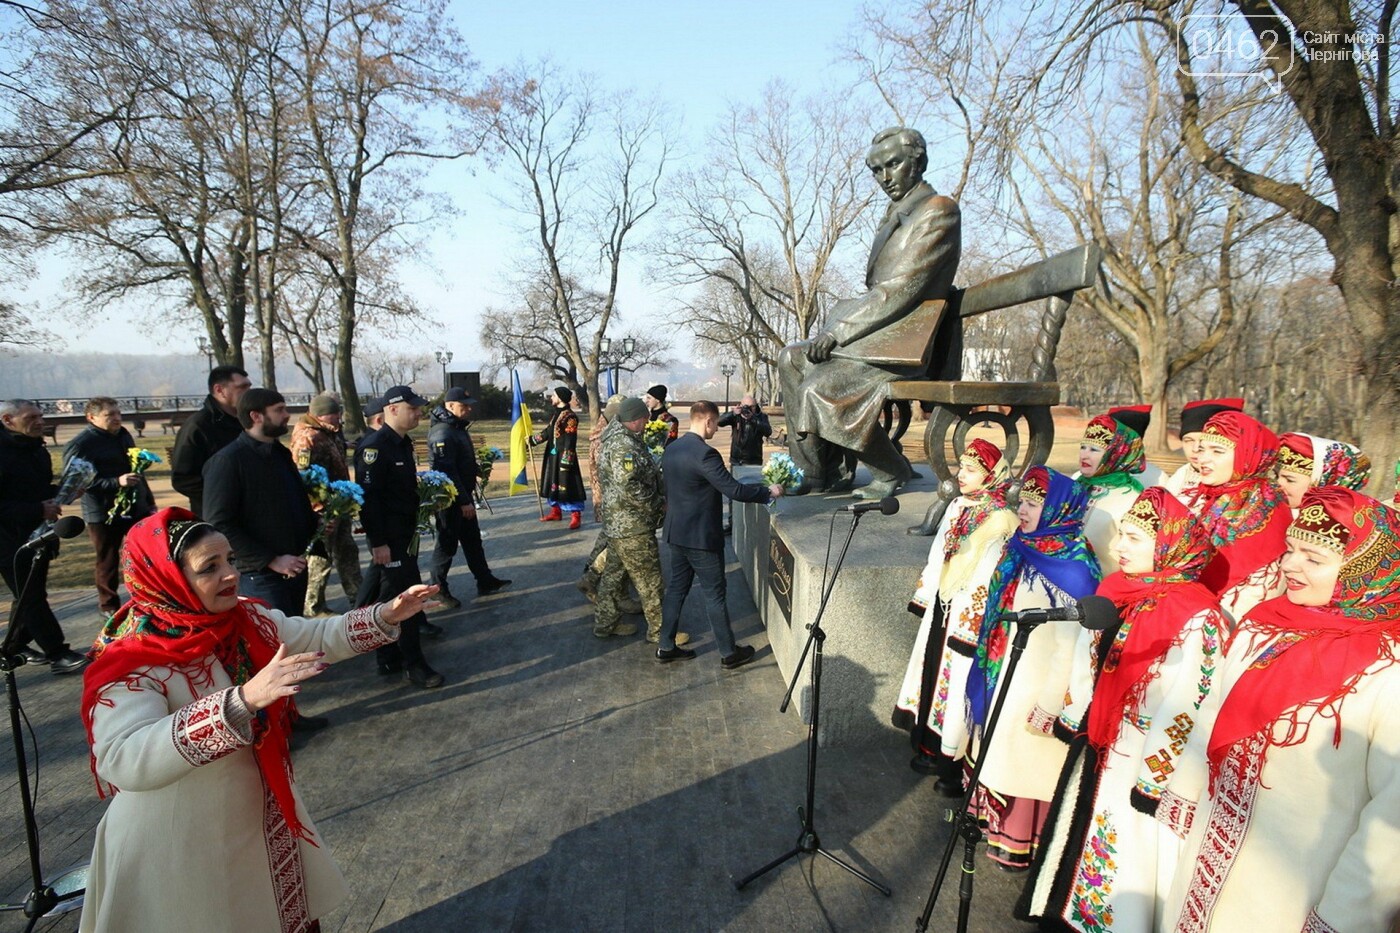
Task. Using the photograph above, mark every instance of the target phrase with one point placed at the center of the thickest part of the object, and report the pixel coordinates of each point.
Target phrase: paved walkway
(558, 782)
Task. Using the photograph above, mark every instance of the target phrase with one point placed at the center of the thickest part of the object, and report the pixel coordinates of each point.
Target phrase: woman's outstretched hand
(282, 677)
(407, 604)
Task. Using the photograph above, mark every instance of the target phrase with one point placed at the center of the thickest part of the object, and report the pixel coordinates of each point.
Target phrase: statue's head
(897, 158)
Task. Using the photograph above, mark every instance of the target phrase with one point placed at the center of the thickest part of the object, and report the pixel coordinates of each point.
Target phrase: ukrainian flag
(520, 431)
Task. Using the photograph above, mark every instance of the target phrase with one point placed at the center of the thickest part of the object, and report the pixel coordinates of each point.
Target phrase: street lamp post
(444, 357)
(208, 350)
(629, 349)
(728, 369)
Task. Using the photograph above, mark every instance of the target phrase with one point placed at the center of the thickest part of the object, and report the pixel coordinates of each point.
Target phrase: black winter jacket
(26, 481)
(106, 452)
(451, 451)
(254, 495)
(204, 434)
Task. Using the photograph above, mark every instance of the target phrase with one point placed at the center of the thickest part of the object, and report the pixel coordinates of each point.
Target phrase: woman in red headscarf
(1291, 805)
(1106, 856)
(952, 599)
(186, 705)
(1244, 509)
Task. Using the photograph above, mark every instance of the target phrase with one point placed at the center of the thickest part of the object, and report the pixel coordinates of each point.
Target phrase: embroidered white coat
(192, 841)
(962, 617)
(1121, 874)
(1310, 842)
(1024, 758)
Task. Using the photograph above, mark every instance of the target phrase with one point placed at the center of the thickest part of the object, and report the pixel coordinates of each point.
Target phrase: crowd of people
(189, 692)
(1227, 755)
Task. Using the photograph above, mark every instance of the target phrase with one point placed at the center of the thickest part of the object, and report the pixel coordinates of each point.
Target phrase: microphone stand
(964, 823)
(42, 898)
(807, 840)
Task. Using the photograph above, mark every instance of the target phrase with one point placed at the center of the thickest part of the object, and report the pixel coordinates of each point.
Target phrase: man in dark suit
(833, 384)
(696, 479)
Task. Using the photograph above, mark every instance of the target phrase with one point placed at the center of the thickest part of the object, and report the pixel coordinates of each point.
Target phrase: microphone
(887, 506)
(69, 526)
(1095, 613)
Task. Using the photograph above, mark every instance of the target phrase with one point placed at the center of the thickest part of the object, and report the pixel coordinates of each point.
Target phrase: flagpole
(539, 499)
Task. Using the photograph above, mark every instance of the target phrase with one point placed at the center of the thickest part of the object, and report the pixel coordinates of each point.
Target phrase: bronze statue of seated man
(833, 384)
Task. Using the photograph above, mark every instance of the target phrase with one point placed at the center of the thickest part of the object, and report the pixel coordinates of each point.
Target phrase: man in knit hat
(655, 400)
(317, 440)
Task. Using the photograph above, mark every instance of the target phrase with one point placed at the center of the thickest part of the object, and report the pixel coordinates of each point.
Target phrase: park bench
(955, 407)
(176, 420)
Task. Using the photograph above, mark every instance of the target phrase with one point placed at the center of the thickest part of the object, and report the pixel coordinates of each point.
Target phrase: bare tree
(526, 333)
(586, 171)
(766, 213)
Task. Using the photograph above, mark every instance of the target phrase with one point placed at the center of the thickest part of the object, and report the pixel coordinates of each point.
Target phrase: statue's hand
(820, 349)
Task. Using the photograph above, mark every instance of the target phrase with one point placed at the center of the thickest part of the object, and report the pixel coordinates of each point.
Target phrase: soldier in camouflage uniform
(632, 511)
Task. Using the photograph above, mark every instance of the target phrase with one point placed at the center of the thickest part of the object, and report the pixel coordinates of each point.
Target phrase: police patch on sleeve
(370, 455)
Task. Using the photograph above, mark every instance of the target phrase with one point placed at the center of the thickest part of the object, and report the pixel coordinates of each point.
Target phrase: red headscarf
(1248, 515)
(1155, 607)
(1321, 651)
(165, 625)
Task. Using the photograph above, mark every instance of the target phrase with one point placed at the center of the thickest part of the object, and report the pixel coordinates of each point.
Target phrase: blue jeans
(287, 595)
(683, 565)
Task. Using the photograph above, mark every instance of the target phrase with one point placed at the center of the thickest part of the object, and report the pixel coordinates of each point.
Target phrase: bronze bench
(956, 407)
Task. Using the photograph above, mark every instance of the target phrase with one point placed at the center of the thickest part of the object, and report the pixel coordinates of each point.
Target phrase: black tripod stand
(807, 839)
(964, 823)
(66, 891)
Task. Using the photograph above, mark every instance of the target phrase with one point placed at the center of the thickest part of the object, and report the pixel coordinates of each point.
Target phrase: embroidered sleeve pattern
(1315, 924)
(1176, 813)
(366, 632)
(202, 731)
(1041, 722)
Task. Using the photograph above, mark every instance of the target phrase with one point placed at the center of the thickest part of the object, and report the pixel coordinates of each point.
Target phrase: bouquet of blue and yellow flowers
(654, 435)
(141, 460)
(486, 458)
(781, 471)
(333, 500)
(436, 491)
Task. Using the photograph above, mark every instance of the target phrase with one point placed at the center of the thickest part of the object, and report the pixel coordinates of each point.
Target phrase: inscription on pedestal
(780, 572)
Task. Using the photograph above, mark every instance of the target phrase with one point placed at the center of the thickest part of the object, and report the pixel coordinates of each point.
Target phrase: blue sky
(695, 56)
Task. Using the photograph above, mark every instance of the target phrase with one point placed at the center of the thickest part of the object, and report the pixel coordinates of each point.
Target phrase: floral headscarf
(1247, 515)
(1155, 607)
(1323, 461)
(1320, 651)
(1057, 550)
(1123, 456)
(164, 624)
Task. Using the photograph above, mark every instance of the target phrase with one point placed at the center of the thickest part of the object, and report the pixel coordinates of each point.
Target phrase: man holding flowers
(118, 498)
(317, 441)
(451, 451)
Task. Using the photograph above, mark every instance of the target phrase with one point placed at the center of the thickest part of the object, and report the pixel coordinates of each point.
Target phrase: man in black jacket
(255, 496)
(695, 482)
(750, 426)
(27, 501)
(385, 466)
(206, 432)
(104, 443)
(451, 451)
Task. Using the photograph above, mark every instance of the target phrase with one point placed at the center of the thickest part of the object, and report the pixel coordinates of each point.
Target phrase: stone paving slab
(558, 782)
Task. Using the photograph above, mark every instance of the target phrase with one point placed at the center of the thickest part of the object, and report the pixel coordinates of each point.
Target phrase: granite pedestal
(869, 630)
